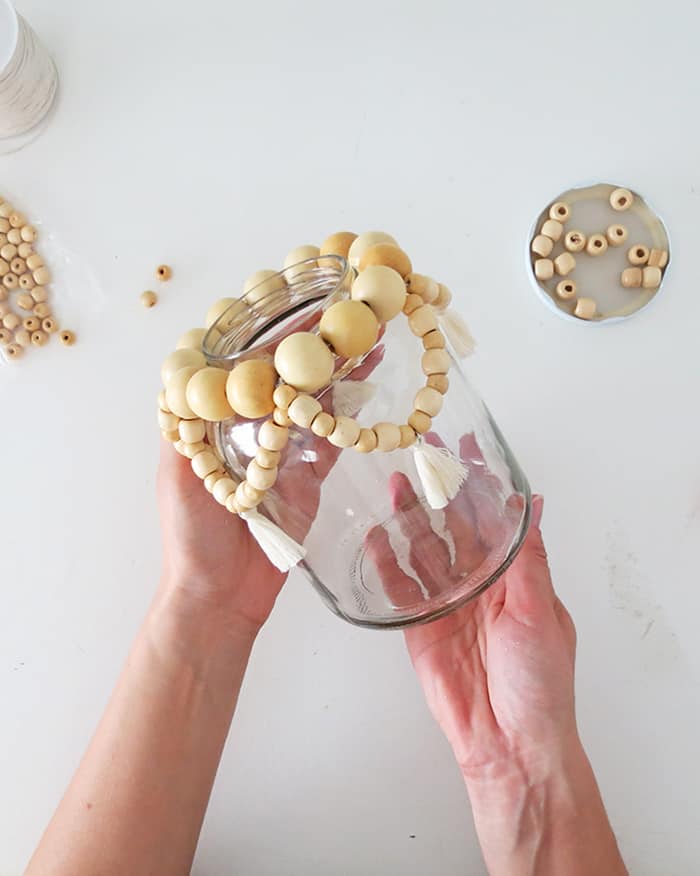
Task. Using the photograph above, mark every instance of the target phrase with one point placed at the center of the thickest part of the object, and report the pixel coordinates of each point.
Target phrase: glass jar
(376, 552)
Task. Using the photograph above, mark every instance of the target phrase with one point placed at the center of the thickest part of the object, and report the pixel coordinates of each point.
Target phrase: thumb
(529, 590)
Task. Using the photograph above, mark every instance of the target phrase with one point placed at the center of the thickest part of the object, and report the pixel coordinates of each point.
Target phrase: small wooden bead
(67, 338)
(4, 267)
(429, 401)
(170, 436)
(223, 488)
(566, 290)
(192, 431)
(323, 424)
(651, 277)
(191, 450)
(383, 289)
(542, 246)
(10, 321)
(49, 325)
(631, 278)
(564, 264)
(638, 255)
(31, 323)
(283, 396)
(422, 321)
(168, 422)
(408, 436)
(39, 293)
(304, 361)
(434, 340)
(267, 458)
(28, 233)
(621, 199)
(42, 310)
(271, 436)
(585, 308)
(363, 242)
(211, 479)
(252, 495)
(206, 393)
(552, 229)
(13, 351)
(412, 302)
(34, 261)
(25, 301)
(444, 298)
(560, 211)
(191, 340)
(164, 272)
(259, 477)
(249, 388)
(338, 244)
(435, 362)
(597, 244)
(304, 408)
(176, 395)
(281, 417)
(42, 276)
(180, 447)
(18, 266)
(204, 463)
(387, 254)
(148, 298)
(426, 287)
(6, 210)
(5, 336)
(658, 258)
(350, 328)
(162, 403)
(17, 220)
(240, 500)
(345, 432)
(367, 442)
(14, 236)
(441, 382)
(39, 339)
(10, 281)
(388, 436)
(180, 359)
(616, 235)
(23, 338)
(544, 269)
(4, 223)
(420, 422)
(24, 250)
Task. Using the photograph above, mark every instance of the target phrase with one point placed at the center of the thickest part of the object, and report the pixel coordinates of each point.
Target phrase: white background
(215, 136)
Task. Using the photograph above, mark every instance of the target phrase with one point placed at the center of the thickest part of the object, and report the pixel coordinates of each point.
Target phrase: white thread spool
(28, 80)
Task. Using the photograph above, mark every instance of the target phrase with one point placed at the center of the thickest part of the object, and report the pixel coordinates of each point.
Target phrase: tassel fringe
(457, 333)
(281, 550)
(441, 473)
(350, 396)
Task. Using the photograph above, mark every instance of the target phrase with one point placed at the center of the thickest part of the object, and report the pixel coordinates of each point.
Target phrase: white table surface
(215, 137)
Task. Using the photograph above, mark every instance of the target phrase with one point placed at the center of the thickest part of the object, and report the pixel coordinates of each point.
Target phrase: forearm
(137, 801)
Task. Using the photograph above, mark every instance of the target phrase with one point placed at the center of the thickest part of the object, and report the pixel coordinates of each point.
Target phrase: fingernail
(537, 509)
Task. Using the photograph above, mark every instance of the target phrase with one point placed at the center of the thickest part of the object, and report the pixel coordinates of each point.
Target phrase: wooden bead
(250, 496)
(176, 395)
(444, 298)
(164, 272)
(217, 310)
(42, 276)
(560, 211)
(4, 267)
(204, 463)
(621, 199)
(13, 351)
(211, 479)
(191, 340)
(39, 339)
(192, 431)
(441, 382)
(435, 362)
(408, 436)
(564, 264)
(323, 424)
(434, 340)
(338, 244)
(17, 266)
(191, 450)
(206, 393)
(31, 323)
(24, 250)
(388, 436)
(367, 442)
(180, 447)
(426, 287)
(303, 409)
(259, 477)
(299, 261)
(267, 458)
(281, 417)
(412, 302)
(638, 255)
(14, 237)
(17, 220)
(420, 422)
(25, 301)
(42, 310)
(34, 261)
(28, 233)
(422, 321)
(5, 336)
(4, 223)
(39, 294)
(223, 488)
(4, 309)
(350, 328)
(283, 396)
(429, 401)
(304, 361)
(168, 421)
(345, 432)
(162, 403)
(552, 229)
(363, 242)
(272, 436)
(566, 290)
(67, 338)
(631, 278)
(10, 281)
(387, 254)
(180, 359)
(10, 321)
(250, 386)
(49, 325)
(240, 500)
(148, 298)
(262, 284)
(616, 234)
(544, 269)
(658, 258)
(170, 436)
(542, 246)
(585, 308)
(597, 244)
(6, 210)
(651, 277)
(23, 337)
(383, 289)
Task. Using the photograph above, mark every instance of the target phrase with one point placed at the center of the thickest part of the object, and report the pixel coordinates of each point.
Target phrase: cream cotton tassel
(441, 473)
(281, 550)
(350, 396)
(457, 333)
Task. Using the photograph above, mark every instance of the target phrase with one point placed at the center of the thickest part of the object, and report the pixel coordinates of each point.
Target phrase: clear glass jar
(377, 554)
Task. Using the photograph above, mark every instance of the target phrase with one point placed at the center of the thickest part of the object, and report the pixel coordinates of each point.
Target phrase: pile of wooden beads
(281, 390)
(25, 315)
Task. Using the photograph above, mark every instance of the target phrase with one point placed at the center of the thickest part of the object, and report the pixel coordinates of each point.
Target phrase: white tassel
(457, 333)
(350, 396)
(441, 473)
(281, 550)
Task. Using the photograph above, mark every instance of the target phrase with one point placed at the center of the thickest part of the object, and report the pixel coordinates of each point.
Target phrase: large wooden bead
(204, 463)
(658, 258)
(34, 261)
(263, 283)
(420, 422)
(206, 394)
(192, 431)
(387, 254)
(323, 424)
(283, 396)
(180, 359)
(39, 294)
(271, 436)
(621, 199)
(191, 340)
(367, 442)
(350, 328)
(250, 386)
(303, 410)
(383, 289)
(429, 401)
(585, 308)
(542, 245)
(575, 241)
(564, 264)
(560, 211)
(14, 236)
(259, 477)
(42, 276)
(552, 229)
(566, 290)
(338, 244)
(422, 321)
(304, 361)
(544, 269)
(597, 244)
(616, 234)
(631, 278)
(435, 362)
(292, 265)
(42, 310)
(388, 436)
(651, 276)
(363, 242)
(176, 395)
(223, 488)
(638, 255)
(426, 287)
(345, 433)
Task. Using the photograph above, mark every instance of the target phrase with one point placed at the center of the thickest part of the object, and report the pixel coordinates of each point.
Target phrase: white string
(28, 84)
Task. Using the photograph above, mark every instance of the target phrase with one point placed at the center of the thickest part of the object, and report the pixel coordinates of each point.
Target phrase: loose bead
(67, 338)
(5, 336)
(388, 436)
(31, 323)
(272, 436)
(597, 244)
(176, 395)
(304, 361)
(23, 338)
(192, 431)
(631, 278)
(4, 267)
(298, 261)
(338, 244)
(363, 242)
(281, 417)
(168, 422)
(164, 272)
(544, 269)
(191, 340)
(367, 442)
(435, 362)
(13, 351)
(424, 286)
(434, 340)
(204, 463)
(585, 308)
(25, 301)
(552, 229)
(303, 410)
(441, 382)
(260, 478)
(180, 359)
(17, 220)
(658, 258)
(621, 199)
(17, 266)
(566, 290)
(10, 281)
(408, 436)
(564, 264)
(638, 255)
(249, 388)
(616, 234)
(542, 246)
(39, 339)
(10, 321)
(383, 289)
(422, 321)
(49, 325)
(420, 422)
(34, 261)
(345, 433)
(429, 401)
(148, 298)
(14, 236)
(387, 254)
(444, 298)
(206, 393)
(651, 277)
(412, 302)
(223, 488)
(42, 276)
(42, 310)
(191, 450)
(283, 396)
(211, 479)
(350, 328)
(267, 458)
(560, 211)
(39, 294)
(24, 250)
(323, 424)
(28, 233)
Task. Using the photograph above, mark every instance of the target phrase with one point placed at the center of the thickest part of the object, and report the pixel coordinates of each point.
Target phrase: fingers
(400, 588)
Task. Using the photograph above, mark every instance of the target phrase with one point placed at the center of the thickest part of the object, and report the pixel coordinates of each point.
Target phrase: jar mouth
(276, 306)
